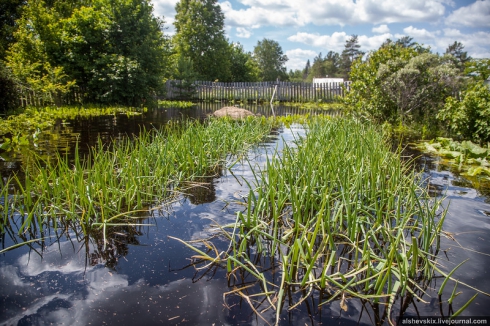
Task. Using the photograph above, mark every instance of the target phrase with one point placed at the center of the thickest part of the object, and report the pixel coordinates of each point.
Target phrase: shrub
(470, 116)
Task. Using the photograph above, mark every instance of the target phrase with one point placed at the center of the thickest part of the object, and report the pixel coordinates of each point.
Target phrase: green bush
(470, 116)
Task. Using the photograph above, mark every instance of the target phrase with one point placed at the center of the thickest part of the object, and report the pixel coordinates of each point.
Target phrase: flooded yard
(139, 275)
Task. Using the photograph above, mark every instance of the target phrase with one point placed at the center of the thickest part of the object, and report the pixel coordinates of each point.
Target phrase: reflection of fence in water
(258, 91)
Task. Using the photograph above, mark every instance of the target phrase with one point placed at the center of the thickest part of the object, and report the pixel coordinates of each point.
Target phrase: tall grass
(114, 182)
(337, 212)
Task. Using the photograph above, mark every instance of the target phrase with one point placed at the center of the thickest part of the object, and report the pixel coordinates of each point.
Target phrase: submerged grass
(337, 212)
(112, 184)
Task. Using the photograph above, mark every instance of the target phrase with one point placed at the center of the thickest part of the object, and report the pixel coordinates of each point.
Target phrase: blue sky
(304, 28)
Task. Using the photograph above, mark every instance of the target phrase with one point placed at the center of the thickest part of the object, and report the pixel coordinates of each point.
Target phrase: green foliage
(479, 69)
(295, 76)
(456, 54)
(28, 128)
(330, 66)
(350, 54)
(472, 159)
(185, 77)
(9, 90)
(200, 36)
(271, 60)
(366, 95)
(419, 86)
(10, 11)
(113, 51)
(400, 83)
(470, 116)
(337, 212)
(243, 67)
(175, 104)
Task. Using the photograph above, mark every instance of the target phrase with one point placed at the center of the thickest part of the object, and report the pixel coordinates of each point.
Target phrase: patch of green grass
(175, 104)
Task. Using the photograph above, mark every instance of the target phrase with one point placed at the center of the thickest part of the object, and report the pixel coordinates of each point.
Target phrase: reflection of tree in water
(114, 245)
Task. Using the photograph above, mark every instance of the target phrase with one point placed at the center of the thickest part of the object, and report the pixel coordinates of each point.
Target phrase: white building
(327, 80)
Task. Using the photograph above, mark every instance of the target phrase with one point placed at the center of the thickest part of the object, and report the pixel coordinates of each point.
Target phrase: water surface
(140, 276)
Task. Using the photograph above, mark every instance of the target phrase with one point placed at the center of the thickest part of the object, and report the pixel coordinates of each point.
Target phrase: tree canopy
(350, 53)
(396, 81)
(271, 60)
(112, 51)
(200, 36)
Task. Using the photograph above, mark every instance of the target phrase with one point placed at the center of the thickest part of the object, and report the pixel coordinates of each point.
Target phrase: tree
(419, 86)
(350, 53)
(10, 11)
(271, 60)
(396, 83)
(200, 36)
(185, 76)
(295, 76)
(243, 66)
(29, 57)
(332, 62)
(406, 42)
(458, 56)
(114, 50)
(317, 69)
(306, 70)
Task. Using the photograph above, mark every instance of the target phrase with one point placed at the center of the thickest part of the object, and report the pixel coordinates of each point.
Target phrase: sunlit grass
(175, 104)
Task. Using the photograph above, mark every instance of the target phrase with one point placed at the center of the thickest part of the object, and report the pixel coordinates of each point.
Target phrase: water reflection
(64, 134)
(136, 274)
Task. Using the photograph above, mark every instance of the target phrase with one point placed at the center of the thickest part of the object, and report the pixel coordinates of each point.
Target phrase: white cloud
(298, 57)
(477, 44)
(334, 42)
(396, 11)
(420, 34)
(243, 32)
(476, 14)
(381, 29)
(331, 12)
(368, 43)
(256, 17)
(166, 9)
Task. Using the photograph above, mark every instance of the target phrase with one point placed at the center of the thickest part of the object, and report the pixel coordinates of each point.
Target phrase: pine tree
(350, 54)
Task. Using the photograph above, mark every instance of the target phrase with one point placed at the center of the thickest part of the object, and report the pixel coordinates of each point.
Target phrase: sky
(305, 28)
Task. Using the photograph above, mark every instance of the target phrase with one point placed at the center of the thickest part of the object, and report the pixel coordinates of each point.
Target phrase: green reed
(339, 213)
(131, 175)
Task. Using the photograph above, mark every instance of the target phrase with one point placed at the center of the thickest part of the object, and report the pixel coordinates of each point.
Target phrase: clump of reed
(336, 212)
(175, 104)
(114, 182)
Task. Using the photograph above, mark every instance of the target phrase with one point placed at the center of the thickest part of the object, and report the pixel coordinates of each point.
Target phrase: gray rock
(232, 112)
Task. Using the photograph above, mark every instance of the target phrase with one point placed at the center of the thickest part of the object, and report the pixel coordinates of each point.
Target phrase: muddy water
(141, 276)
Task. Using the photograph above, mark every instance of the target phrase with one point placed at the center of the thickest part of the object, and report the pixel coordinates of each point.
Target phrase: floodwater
(143, 277)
